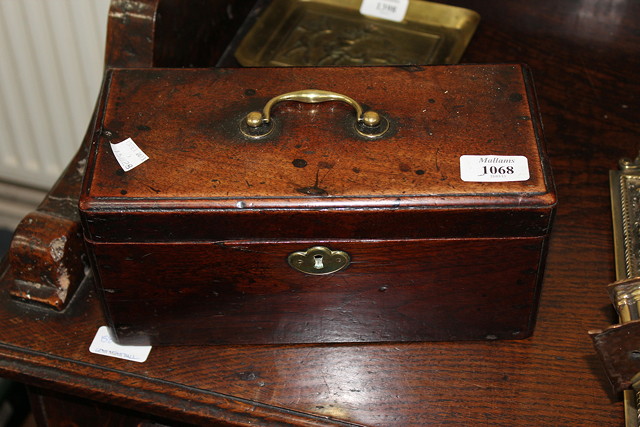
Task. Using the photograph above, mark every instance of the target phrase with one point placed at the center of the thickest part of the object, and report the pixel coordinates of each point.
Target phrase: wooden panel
(195, 33)
(246, 293)
(187, 122)
(209, 182)
(52, 409)
(201, 225)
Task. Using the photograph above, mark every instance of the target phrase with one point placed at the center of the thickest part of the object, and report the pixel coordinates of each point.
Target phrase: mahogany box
(371, 204)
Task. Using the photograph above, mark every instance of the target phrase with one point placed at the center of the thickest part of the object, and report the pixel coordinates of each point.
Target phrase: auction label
(104, 345)
(392, 10)
(494, 168)
(128, 154)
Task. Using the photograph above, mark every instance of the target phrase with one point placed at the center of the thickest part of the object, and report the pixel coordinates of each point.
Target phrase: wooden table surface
(585, 58)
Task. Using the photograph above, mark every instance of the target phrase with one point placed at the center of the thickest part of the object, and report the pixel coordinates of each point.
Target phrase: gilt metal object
(334, 33)
(625, 206)
(619, 345)
(625, 203)
(368, 124)
(319, 260)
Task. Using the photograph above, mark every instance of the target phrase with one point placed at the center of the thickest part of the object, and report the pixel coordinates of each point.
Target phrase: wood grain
(583, 56)
(187, 121)
(244, 292)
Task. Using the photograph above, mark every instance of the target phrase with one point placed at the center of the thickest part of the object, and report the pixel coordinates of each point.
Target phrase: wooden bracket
(46, 259)
(618, 346)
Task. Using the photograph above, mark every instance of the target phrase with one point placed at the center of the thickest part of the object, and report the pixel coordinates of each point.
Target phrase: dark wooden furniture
(584, 59)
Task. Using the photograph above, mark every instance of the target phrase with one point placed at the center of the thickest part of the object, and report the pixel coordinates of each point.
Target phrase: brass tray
(334, 33)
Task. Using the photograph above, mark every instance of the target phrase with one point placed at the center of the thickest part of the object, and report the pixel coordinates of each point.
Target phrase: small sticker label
(393, 10)
(104, 345)
(128, 154)
(494, 168)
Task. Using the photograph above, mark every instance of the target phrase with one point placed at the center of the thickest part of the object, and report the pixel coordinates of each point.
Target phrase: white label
(128, 154)
(103, 344)
(393, 10)
(494, 168)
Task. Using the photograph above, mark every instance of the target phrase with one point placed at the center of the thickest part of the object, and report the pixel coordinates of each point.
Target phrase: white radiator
(51, 58)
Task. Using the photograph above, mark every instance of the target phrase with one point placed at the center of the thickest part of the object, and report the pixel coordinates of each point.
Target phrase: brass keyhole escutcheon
(319, 260)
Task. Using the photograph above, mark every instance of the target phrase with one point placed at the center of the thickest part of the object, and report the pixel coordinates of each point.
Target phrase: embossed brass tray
(333, 32)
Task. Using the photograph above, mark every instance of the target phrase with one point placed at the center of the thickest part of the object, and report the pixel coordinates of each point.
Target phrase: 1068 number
(498, 170)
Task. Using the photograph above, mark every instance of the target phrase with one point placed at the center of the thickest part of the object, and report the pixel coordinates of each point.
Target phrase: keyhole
(318, 262)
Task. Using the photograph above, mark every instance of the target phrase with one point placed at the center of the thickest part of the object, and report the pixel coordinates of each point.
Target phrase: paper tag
(104, 345)
(494, 168)
(128, 154)
(393, 10)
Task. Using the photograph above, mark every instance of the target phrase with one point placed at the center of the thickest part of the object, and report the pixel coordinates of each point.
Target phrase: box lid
(189, 123)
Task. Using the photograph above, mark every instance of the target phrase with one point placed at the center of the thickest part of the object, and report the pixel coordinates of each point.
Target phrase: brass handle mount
(369, 123)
